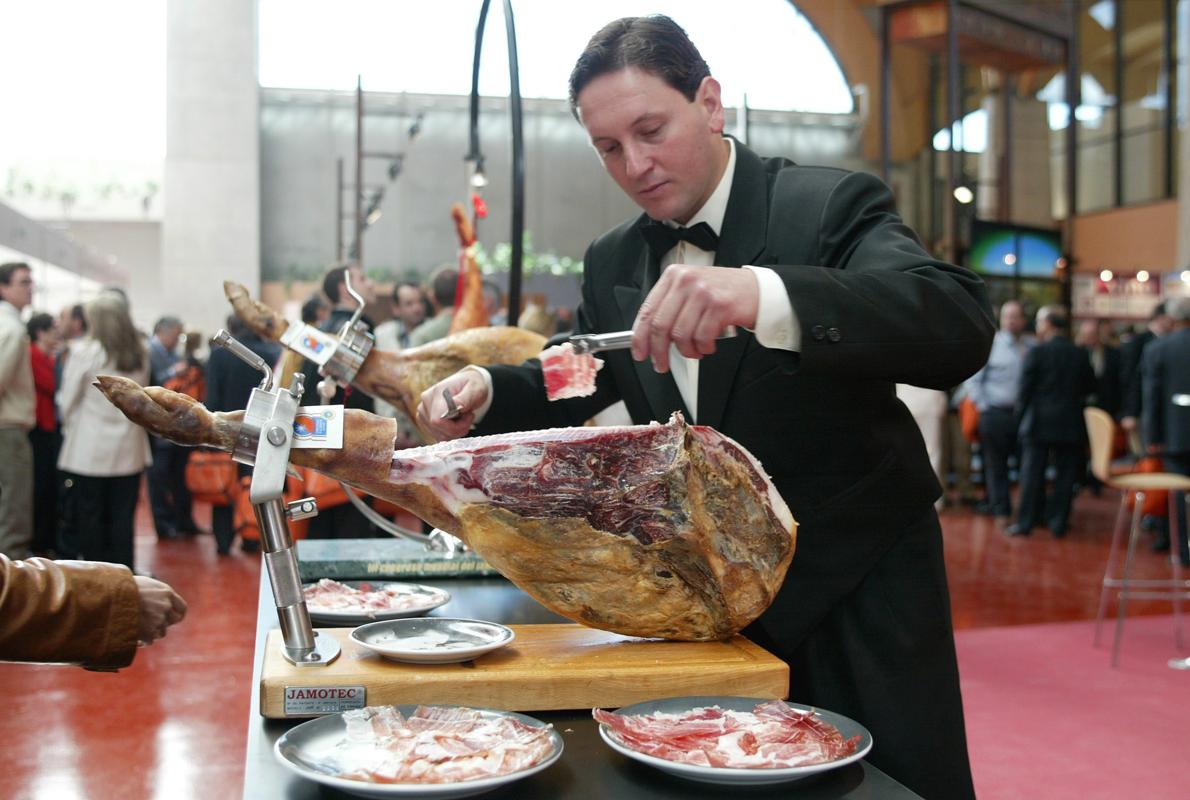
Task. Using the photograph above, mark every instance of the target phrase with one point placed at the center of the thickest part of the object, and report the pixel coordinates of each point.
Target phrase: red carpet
(1047, 716)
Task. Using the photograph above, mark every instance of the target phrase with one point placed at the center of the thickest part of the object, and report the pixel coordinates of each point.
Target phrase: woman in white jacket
(103, 454)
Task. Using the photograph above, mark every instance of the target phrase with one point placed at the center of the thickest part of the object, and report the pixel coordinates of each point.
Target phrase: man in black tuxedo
(1166, 414)
(1055, 382)
(835, 301)
(1131, 353)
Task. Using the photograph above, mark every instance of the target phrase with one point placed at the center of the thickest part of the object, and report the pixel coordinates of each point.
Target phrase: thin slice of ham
(567, 373)
(330, 595)
(772, 735)
(438, 745)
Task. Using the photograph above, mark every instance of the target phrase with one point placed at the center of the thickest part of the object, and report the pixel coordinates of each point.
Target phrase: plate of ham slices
(410, 751)
(734, 740)
(346, 603)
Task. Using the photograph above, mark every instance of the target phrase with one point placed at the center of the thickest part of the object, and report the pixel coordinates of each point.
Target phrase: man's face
(169, 337)
(410, 309)
(19, 292)
(666, 152)
(1162, 324)
(49, 340)
(1012, 319)
(1088, 334)
(362, 284)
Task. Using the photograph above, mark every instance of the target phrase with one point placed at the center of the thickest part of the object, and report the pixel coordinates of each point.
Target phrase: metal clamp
(353, 347)
(264, 442)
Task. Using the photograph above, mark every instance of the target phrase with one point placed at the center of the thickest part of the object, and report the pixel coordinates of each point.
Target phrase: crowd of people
(1030, 398)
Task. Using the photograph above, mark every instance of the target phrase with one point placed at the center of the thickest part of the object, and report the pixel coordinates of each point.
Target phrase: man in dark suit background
(836, 302)
(1105, 363)
(1056, 380)
(1166, 413)
(1131, 352)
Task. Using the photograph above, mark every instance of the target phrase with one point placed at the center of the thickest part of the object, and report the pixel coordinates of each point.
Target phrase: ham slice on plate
(771, 736)
(437, 744)
(567, 373)
(330, 595)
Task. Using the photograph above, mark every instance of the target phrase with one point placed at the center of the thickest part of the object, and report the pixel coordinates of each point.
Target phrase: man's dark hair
(442, 286)
(1158, 310)
(38, 323)
(406, 285)
(655, 44)
(167, 323)
(7, 271)
(76, 314)
(331, 283)
(311, 308)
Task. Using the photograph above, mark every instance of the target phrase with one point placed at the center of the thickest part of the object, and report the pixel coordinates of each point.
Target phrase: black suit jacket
(1055, 381)
(874, 309)
(1107, 394)
(1130, 377)
(1166, 370)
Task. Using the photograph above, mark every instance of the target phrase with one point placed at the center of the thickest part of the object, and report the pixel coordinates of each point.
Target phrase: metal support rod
(1167, 68)
(1118, 80)
(885, 99)
(339, 211)
(1006, 92)
(935, 224)
(358, 247)
(1073, 100)
(953, 116)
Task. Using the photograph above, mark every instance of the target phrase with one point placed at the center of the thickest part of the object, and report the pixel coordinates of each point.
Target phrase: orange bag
(190, 382)
(1156, 500)
(326, 491)
(969, 419)
(212, 477)
(244, 518)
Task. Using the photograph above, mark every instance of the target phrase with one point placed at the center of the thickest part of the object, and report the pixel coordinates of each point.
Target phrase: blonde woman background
(103, 454)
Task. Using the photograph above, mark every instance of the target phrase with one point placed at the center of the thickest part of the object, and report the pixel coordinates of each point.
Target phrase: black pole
(952, 113)
(1167, 63)
(932, 114)
(518, 171)
(1006, 93)
(518, 148)
(885, 100)
(473, 153)
(1073, 100)
(1118, 79)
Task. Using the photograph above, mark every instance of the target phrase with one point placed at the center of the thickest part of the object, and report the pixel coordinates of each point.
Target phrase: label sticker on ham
(318, 426)
(310, 342)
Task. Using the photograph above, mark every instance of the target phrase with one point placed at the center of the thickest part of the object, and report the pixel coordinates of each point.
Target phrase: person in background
(17, 412)
(229, 384)
(44, 437)
(168, 495)
(343, 306)
(565, 317)
(409, 311)
(1131, 354)
(103, 453)
(316, 311)
(1165, 421)
(493, 303)
(1055, 382)
(995, 390)
(535, 318)
(81, 612)
(1105, 362)
(442, 297)
(846, 304)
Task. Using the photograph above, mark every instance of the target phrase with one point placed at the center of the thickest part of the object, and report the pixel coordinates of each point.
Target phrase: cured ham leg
(667, 530)
(400, 378)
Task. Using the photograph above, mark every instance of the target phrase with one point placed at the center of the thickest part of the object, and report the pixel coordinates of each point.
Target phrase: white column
(211, 229)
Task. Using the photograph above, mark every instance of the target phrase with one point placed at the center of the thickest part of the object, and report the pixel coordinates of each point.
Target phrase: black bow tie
(662, 238)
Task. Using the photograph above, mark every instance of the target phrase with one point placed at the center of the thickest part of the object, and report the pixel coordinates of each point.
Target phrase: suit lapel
(741, 241)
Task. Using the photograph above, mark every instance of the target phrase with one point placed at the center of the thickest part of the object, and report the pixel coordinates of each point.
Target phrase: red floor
(173, 726)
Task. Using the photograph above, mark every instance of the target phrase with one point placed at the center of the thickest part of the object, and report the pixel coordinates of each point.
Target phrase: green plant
(532, 262)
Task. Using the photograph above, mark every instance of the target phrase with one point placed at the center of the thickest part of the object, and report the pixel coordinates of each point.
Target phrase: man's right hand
(469, 391)
(160, 607)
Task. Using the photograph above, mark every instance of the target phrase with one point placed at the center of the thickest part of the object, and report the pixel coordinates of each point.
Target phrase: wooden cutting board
(547, 667)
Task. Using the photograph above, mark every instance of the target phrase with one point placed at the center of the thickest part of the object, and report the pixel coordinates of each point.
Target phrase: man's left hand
(690, 307)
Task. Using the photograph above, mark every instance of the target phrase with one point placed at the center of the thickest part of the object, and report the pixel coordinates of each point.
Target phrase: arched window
(777, 59)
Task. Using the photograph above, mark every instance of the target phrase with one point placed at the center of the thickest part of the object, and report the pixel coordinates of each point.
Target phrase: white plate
(432, 640)
(728, 775)
(313, 749)
(345, 617)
